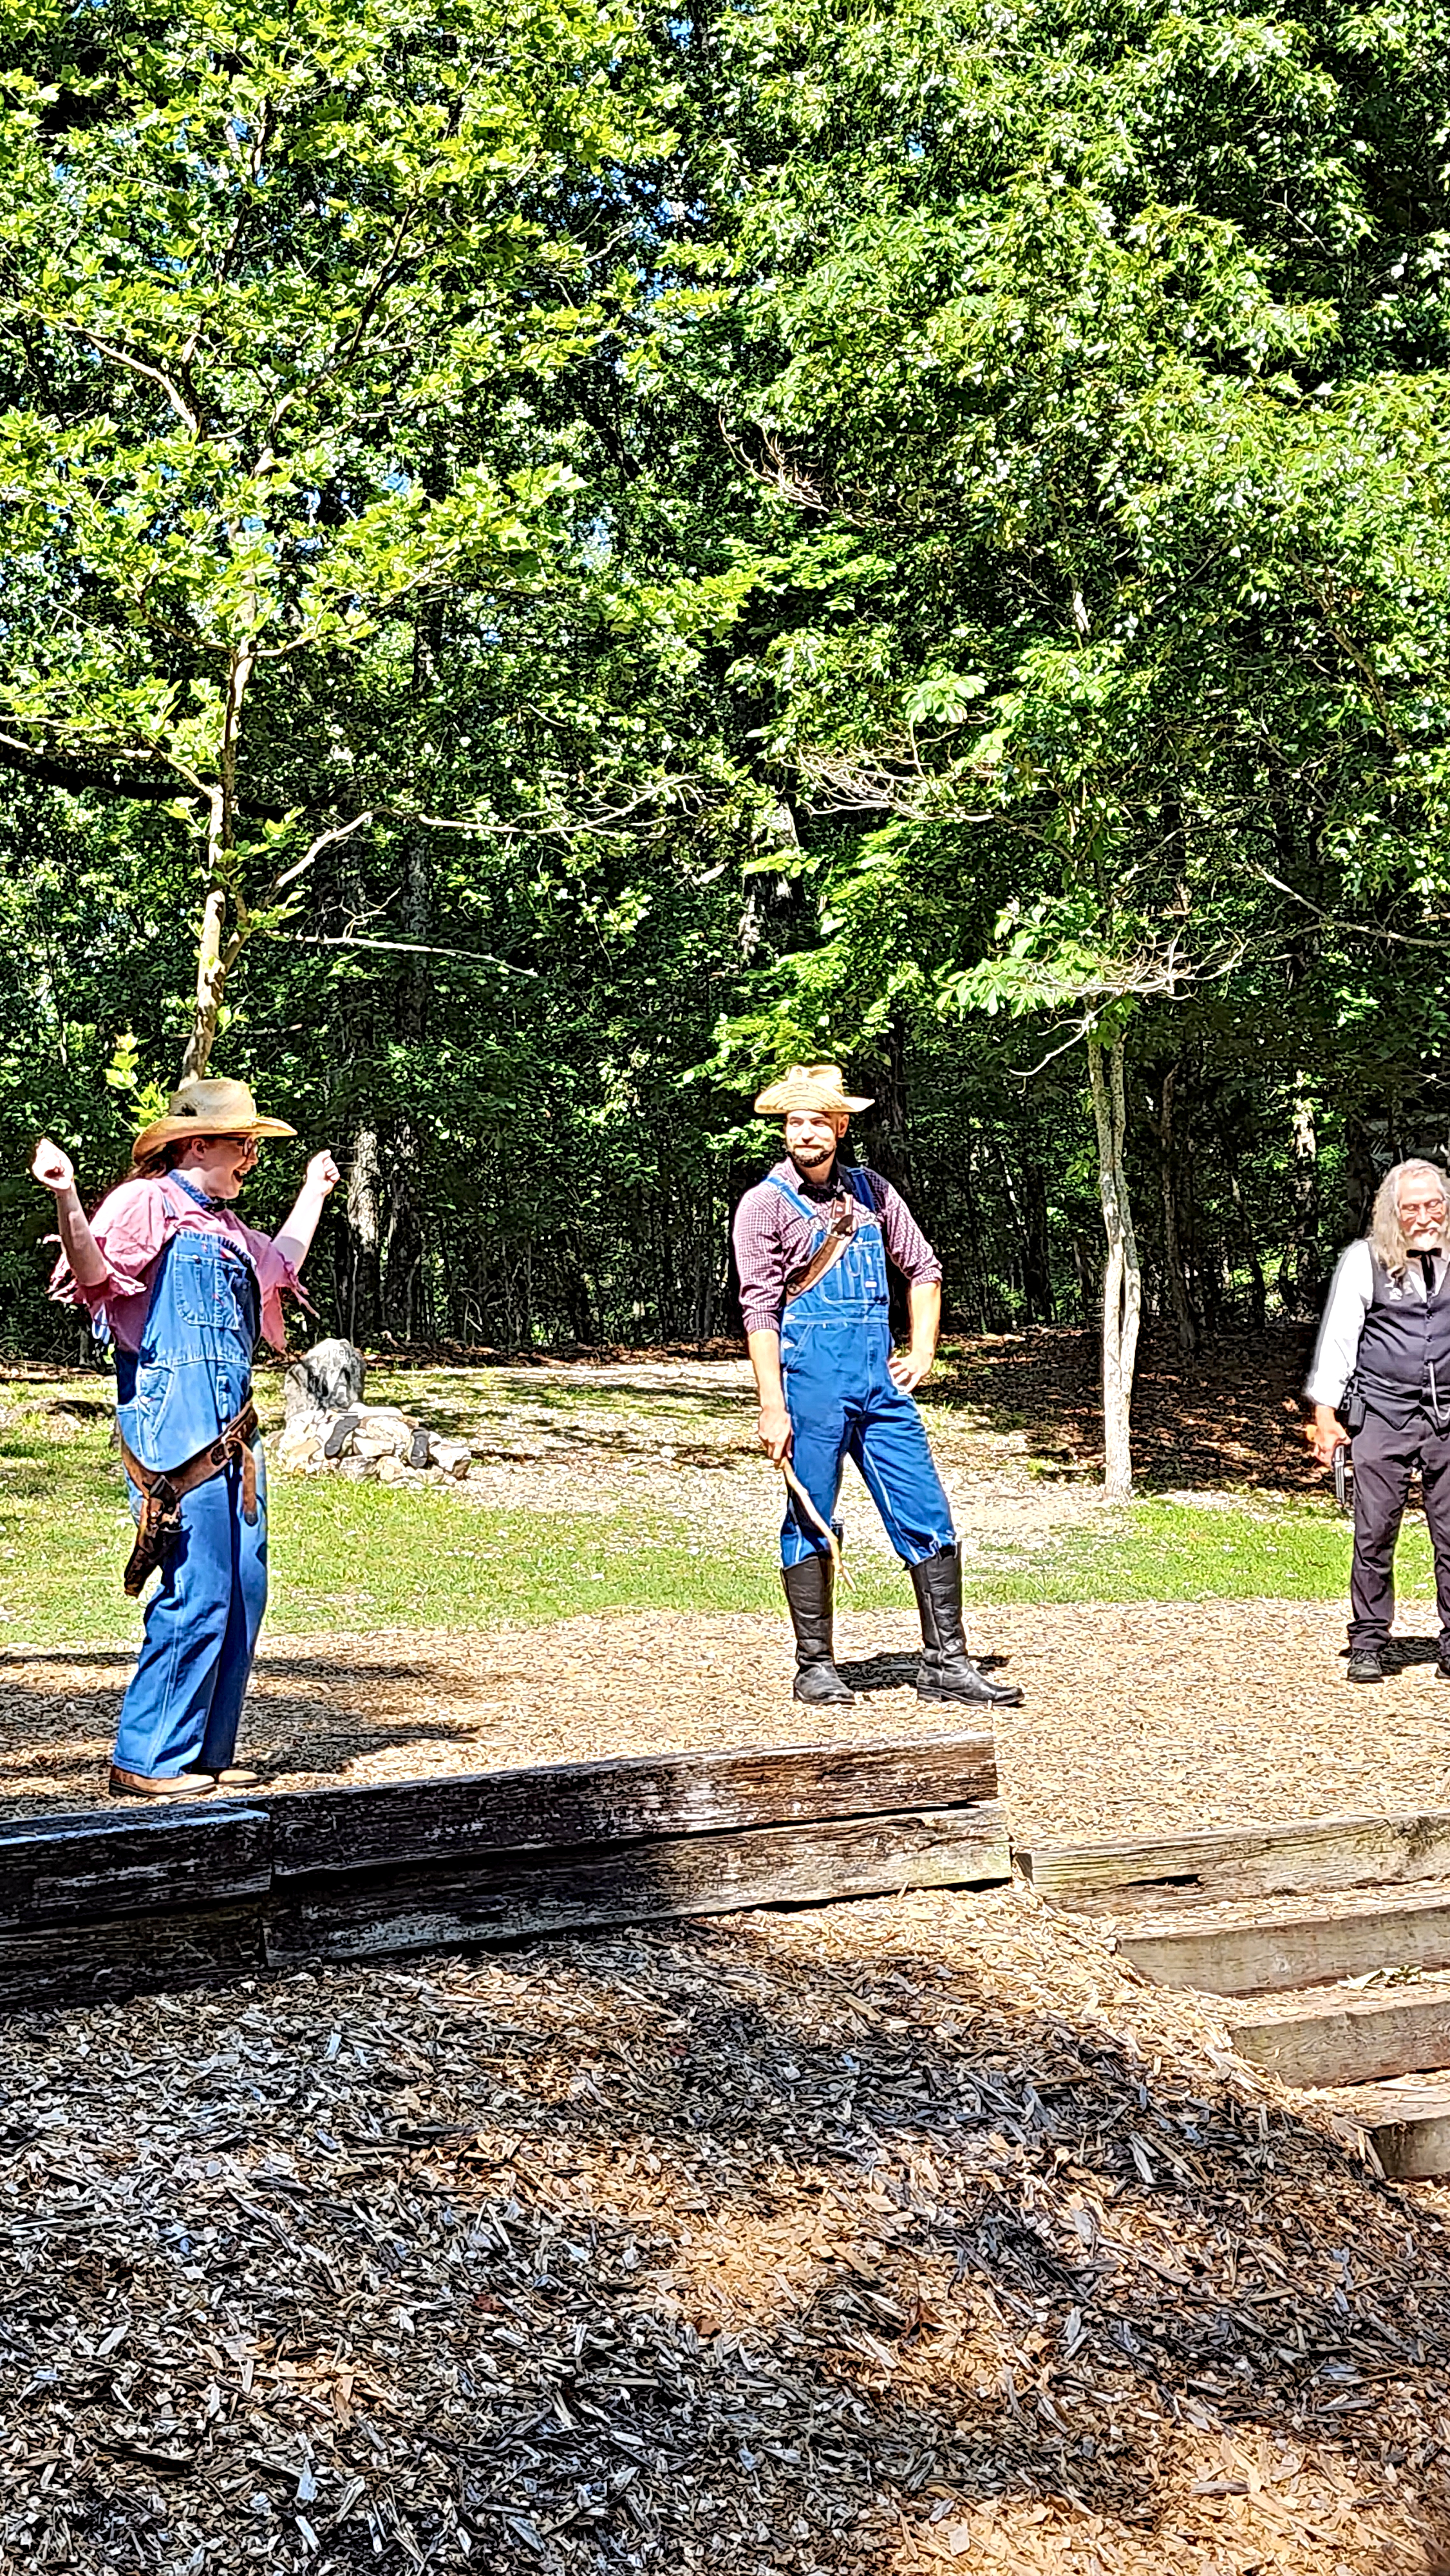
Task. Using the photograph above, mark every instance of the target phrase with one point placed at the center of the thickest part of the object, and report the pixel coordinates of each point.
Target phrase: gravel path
(1150, 1715)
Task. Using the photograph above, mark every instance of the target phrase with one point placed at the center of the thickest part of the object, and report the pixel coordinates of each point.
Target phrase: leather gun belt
(162, 1491)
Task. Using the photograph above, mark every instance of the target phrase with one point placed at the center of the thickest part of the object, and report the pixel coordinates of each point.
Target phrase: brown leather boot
(174, 1785)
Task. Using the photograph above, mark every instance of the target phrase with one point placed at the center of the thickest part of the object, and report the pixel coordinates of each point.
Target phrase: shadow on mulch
(1148, 2265)
(58, 1738)
(859, 2242)
(1229, 1416)
(898, 1672)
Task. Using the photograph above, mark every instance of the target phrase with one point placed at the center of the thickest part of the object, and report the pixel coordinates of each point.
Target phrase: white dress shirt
(1350, 1294)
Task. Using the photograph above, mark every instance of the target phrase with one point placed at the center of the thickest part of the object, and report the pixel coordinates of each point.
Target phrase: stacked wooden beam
(98, 1903)
(1330, 1937)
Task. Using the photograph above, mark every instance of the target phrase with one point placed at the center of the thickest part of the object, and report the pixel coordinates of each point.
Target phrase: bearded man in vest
(812, 1241)
(1381, 1380)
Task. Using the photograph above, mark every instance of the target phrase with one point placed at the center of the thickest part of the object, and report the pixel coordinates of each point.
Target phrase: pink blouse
(133, 1226)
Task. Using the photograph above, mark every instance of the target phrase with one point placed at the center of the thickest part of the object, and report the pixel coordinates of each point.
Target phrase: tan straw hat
(810, 1086)
(204, 1108)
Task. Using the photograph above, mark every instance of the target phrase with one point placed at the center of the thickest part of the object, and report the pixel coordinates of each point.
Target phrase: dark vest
(1403, 1365)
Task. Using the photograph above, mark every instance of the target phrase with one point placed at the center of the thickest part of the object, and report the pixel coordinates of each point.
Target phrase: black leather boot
(947, 1670)
(808, 1590)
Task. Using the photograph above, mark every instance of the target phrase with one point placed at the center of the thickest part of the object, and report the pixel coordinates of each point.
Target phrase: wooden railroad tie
(1341, 1994)
(97, 1903)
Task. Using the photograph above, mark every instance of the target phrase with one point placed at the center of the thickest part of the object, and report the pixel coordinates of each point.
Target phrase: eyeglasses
(1421, 1207)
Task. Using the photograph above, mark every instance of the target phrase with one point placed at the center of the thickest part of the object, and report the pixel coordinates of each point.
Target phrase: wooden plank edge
(108, 1960)
(1308, 1950)
(1358, 2040)
(1409, 2131)
(55, 1869)
(80, 1869)
(672, 1879)
(626, 1798)
(514, 1897)
(1301, 1858)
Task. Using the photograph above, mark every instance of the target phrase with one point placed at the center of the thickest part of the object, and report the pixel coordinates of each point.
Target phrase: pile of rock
(330, 1430)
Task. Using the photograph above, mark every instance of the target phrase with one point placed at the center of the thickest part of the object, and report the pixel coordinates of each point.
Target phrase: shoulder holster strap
(159, 1526)
(839, 1230)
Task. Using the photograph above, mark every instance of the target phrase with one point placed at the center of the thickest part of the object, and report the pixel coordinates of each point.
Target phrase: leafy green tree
(264, 281)
(1088, 366)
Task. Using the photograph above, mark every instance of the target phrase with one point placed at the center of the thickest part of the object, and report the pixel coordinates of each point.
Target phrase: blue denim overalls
(835, 1342)
(191, 1375)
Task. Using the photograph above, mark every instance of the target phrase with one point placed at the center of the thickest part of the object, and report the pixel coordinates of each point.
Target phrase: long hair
(149, 1167)
(1386, 1234)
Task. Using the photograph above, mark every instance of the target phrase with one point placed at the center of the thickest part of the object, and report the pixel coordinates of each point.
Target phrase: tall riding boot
(808, 1590)
(947, 1670)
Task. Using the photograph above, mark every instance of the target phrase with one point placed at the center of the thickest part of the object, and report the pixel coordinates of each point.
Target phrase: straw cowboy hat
(204, 1108)
(810, 1086)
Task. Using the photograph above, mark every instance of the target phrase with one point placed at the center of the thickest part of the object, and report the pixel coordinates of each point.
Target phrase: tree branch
(138, 366)
(79, 778)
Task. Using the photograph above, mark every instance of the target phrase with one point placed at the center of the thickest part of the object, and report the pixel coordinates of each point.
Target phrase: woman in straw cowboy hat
(812, 1241)
(183, 1289)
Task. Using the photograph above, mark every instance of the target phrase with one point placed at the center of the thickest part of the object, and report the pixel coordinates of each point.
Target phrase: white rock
(379, 1440)
(391, 1471)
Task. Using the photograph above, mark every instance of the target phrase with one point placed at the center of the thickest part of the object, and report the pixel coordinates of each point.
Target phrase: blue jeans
(843, 1403)
(184, 1704)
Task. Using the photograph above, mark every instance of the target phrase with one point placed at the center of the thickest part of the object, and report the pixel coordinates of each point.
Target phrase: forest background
(558, 558)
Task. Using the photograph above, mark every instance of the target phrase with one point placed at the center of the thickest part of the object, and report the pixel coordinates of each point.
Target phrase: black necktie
(1427, 1265)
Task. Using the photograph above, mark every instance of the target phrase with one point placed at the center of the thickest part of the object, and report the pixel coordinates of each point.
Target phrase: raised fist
(53, 1168)
(323, 1174)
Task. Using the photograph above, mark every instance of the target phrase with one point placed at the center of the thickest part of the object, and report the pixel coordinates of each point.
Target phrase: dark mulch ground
(876, 2240)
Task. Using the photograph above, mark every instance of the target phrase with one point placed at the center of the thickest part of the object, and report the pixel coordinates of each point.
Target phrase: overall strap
(189, 1209)
(774, 1182)
(862, 1185)
(852, 1176)
(837, 1228)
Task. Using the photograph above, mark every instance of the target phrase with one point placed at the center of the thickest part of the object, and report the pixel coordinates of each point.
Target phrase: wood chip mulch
(1138, 1719)
(882, 2238)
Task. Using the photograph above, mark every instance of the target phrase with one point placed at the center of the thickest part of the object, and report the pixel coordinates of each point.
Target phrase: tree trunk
(1302, 1266)
(1122, 1278)
(1178, 1296)
(1362, 1170)
(210, 984)
(363, 1183)
(895, 1120)
(1041, 1304)
(1087, 1288)
(1258, 1287)
(214, 962)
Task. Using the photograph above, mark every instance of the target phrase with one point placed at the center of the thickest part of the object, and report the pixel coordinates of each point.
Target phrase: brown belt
(159, 1526)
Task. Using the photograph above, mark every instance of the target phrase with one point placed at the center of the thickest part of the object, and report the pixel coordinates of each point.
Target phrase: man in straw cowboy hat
(183, 1289)
(812, 1241)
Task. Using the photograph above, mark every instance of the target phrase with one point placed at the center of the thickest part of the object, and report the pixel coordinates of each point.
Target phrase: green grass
(1162, 1551)
(358, 1555)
